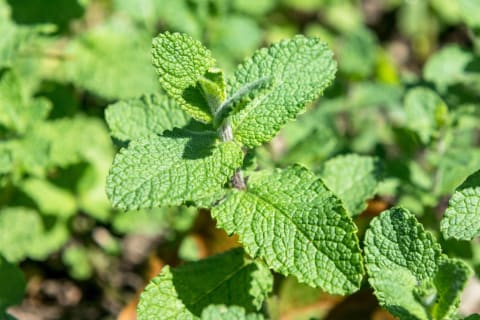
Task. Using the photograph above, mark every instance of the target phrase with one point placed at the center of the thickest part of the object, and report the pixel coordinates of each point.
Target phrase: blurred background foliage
(406, 97)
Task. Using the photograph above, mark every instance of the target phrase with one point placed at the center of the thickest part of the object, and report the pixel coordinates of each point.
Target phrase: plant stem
(226, 135)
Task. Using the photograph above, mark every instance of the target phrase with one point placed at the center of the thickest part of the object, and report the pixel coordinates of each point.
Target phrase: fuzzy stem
(226, 135)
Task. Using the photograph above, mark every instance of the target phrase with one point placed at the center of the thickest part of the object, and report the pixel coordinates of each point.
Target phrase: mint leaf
(292, 221)
(449, 281)
(395, 238)
(470, 11)
(134, 118)
(449, 66)
(299, 69)
(221, 312)
(18, 111)
(183, 293)
(358, 53)
(181, 62)
(13, 284)
(15, 38)
(407, 271)
(16, 238)
(180, 167)
(425, 112)
(152, 221)
(454, 166)
(462, 217)
(111, 60)
(50, 199)
(353, 179)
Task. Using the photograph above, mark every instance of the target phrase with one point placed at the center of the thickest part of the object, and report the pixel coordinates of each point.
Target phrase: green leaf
(358, 53)
(49, 198)
(254, 7)
(181, 62)
(16, 39)
(154, 221)
(180, 16)
(449, 66)
(470, 11)
(221, 312)
(16, 238)
(407, 271)
(183, 293)
(454, 166)
(235, 37)
(18, 111)
(182, 167)
(23, 234)
(425, 112)
(111, 60)
(353, 178)
(30, 154)
(145, 12)
(299, 69)
(462, 217)
(77, 261)
(13, 284)
(134, 118)
(292, 221)
(449, 281)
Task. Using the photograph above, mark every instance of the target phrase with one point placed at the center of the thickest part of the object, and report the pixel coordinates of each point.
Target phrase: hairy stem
(226, 134)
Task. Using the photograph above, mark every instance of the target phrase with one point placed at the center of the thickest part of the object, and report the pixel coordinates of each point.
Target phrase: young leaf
(221, 312)
(353, 179)
(181, 62)
(134, 118)
(299, 69)
(425, 112)
(180, 167)
(183, 293)
(408, 272)
(462, 217)
(292, 221)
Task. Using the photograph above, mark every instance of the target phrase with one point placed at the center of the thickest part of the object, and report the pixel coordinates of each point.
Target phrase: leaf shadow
(200, 144)
(223, 279)
(193, 96)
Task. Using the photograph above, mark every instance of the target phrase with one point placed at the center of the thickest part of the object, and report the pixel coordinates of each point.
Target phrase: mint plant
(286, 218)
(188, 146)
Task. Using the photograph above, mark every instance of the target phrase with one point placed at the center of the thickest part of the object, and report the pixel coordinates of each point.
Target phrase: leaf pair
(267, 90)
